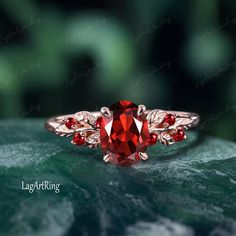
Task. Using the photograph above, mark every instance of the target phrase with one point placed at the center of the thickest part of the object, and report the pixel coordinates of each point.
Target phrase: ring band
(124, 130)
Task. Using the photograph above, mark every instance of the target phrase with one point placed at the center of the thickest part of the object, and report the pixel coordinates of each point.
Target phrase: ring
(124, 130)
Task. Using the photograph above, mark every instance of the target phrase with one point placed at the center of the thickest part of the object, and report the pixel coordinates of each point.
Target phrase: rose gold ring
(124, 130)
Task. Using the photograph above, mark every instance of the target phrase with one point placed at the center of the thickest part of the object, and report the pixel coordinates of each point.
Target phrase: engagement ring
(124, 130)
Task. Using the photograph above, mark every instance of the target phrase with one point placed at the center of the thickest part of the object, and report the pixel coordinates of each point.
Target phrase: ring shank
(190, 115)
(53, 123)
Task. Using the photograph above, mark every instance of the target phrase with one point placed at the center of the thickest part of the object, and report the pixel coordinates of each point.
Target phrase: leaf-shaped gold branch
(86, 118)
(155, 120)
(85, 122)
(93, 140)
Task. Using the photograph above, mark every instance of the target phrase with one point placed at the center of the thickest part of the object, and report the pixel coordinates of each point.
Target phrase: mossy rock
(185, 189)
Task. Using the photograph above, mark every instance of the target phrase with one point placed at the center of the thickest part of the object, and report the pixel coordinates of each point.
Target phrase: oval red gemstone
(78, 139)
(169, 119)
(152, 139)
(70, 122)
(98, 122)
(179, 135)
(124, 134)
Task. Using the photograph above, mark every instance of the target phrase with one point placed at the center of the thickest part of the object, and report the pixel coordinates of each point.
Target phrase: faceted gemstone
(78, 139)
(124, 134)
(98, 122)
(169, 119)
(70, 122)
(152, 139)
(179, 135)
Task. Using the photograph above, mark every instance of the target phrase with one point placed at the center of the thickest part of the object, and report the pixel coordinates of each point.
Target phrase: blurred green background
(61, 57)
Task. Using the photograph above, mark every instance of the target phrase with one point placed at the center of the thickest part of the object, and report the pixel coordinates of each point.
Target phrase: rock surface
(186, 189)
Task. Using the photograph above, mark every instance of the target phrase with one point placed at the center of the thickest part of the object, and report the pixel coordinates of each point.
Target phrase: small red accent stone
(169, 119)
(78, 139)
(98, 122)
(70, 122)
(179, 135)
(152, 139)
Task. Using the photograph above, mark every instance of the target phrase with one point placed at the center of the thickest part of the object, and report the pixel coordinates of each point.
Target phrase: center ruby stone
(124, 134)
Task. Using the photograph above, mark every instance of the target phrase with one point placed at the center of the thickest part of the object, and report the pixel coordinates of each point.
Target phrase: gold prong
(141, 109)
(105, 111)
(106, 158)
(143, 155)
